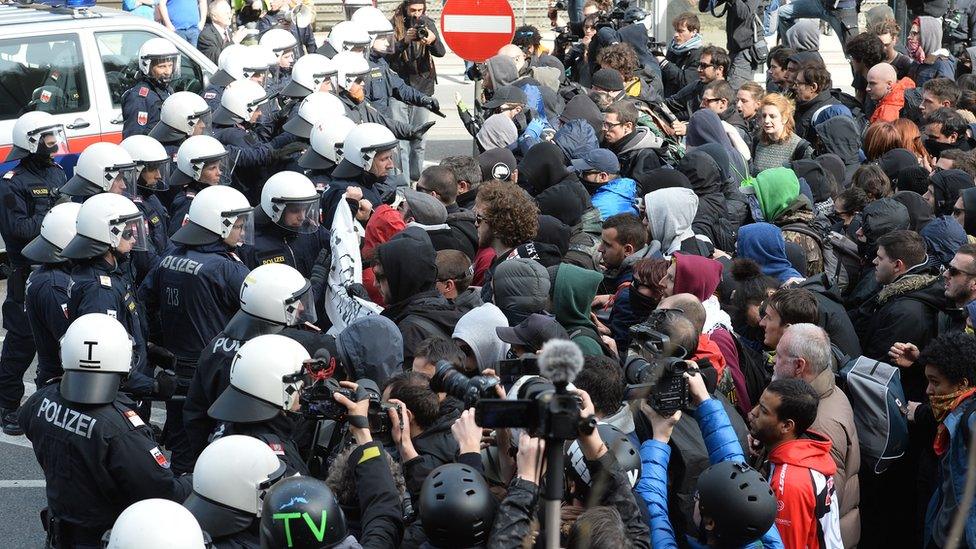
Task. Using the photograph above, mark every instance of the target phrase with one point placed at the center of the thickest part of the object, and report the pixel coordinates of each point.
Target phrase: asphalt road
(21, 479)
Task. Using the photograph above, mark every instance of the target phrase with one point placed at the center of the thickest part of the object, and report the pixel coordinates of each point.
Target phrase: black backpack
(819, 232)
(752, 363)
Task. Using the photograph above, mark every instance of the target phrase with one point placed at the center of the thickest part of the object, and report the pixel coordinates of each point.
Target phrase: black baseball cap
(532, 332)
(497, 164)
(506, 94)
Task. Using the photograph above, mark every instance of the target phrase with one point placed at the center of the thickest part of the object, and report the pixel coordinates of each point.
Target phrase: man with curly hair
(507, 220)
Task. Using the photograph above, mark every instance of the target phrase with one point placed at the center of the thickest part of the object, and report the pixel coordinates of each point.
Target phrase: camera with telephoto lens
(540, 410)
(466, 389)
(656, 371)
(418, 25)
(656, 48)
(317, 400)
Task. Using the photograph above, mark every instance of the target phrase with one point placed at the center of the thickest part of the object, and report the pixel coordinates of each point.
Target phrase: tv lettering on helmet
(70, 420)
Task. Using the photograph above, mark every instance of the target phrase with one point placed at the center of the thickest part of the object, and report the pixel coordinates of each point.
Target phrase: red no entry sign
(476, 29)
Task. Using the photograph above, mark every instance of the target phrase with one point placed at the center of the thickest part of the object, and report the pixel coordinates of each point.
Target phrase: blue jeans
(411, 152)
(844, 22)
(190, 35)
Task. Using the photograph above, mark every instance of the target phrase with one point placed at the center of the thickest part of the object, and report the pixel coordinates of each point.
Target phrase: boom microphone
(560, 361)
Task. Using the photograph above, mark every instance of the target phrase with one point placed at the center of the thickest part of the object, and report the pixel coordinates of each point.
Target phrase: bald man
(887, 91)
(516, 54)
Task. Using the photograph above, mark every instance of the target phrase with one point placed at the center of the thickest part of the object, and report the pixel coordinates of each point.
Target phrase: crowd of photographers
(665, 305)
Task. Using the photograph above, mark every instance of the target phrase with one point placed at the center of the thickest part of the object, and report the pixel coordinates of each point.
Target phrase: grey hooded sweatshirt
(477, 329)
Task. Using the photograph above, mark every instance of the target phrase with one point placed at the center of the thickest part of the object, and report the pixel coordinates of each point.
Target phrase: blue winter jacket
(722, 445)
(615, 197)
(952, 474)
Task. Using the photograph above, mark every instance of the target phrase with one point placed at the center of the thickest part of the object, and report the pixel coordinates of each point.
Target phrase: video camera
(541, 411)
(656, 371)
(509, 371)
(466, 389)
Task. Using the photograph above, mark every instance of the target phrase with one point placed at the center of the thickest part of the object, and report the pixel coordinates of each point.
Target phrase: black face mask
(936, 148)
(641, 304)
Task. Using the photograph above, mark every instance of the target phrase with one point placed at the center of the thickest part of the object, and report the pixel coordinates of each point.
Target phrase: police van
(75, 63)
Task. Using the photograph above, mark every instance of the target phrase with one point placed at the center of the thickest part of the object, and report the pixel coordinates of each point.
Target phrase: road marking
(16, 441)
(22, 483)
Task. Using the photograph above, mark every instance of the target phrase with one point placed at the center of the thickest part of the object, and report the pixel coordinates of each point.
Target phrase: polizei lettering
(66, 418)
(181, 264)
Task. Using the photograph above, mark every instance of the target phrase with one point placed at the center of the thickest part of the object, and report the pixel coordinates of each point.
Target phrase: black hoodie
(839, 135)
(705, 178)
(919, 209)
(833, 316)
(419, 310)
(558, 191)
(946, 186)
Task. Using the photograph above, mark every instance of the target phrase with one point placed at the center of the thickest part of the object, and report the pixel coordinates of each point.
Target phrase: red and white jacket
(801, 477)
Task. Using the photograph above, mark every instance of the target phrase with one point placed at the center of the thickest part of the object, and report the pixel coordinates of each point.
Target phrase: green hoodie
(572, 297)
(776, 189)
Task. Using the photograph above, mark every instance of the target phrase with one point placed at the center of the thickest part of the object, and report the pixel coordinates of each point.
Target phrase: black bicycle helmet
(295, 512)
(617, 443)
(738, 499)
(456, 507)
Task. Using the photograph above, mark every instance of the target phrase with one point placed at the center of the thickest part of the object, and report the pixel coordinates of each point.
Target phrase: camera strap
(359, 422)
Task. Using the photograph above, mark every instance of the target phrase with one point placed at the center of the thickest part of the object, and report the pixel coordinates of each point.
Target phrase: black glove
(160, 357)
(292, 148)
(164, 386)
(418, 133)
(358, 290)
(320, 269)
(432, 103)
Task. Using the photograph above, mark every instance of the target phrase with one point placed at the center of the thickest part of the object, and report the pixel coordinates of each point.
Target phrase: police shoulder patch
(277, 448)
(143, 91)
(133, 418)
(10, 174)
(209, 95)
(159, 457)
(142, 117)
(105, 280)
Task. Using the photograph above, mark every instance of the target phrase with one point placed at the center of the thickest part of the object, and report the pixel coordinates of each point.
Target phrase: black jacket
(436, 446)
(414, 62)
(706, 180)
(558, 191)
(680, 70)
(380, 515)
(638, 154)
(211, 42)
(833, 316)
(805, 111)
(738, 21)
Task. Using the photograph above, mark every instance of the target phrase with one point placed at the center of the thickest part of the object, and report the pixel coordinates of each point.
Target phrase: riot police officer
(383, 83)
(368, 156)
(97, 454)
(221, 78)
(311, 73)
(325, 150)
(285, 48)
(156, 524)
(26, 194)
(102, 168)
(201, 161)
(241, 107)
(159, 64)
(266, 379)
(275, 298)
(109, 227)
(47, 287)
(244, 63)
(193, 289)
(286, 226)
(152, 167)
(182, 115)
(317, 107)
(228, 491)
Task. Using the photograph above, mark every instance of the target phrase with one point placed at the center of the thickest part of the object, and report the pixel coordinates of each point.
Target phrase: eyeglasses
(798, 83)
(420, 189)
(953, 271)
(612, 124)
(478, 219)
(958, 211)
(709, 100)
(703, 66)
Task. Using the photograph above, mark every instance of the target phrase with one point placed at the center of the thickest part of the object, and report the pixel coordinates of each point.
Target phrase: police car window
(119, 51)
(42, 73)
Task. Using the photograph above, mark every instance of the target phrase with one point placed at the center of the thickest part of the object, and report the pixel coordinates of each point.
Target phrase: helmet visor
(200, 123)
(300, 308)
(238, 227)
(386, 156)
(121, 179)
(153, 175)
(214, 170)
(302, 215)
(130, 234)
(50, 139)
(262, 487)
(383, 43)
(164, 68)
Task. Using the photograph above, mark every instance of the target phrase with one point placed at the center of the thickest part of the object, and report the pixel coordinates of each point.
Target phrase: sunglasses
(953, 271)
(958, 211)
(703, 66)
(478, 219)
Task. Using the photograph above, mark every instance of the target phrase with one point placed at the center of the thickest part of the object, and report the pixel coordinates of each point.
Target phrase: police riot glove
(164, 386)
(431, 103)
(160, 357)
(288, 150)
(418, 133)
(320, 269)
(358, 290)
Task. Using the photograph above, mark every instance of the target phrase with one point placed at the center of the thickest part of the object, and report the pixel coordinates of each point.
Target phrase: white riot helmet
(378, 26)
(155, 51)
(57, 229)
(349, 36)
(29, 131)
(230, 480)
(241, 100)
(266, 377)
(96, 354)
(290, 200)
(326, 144)
(308, 75)
(222, 77)
(317, 107)
(104, 222)
(217, 213)
(264, 52)
(281, 43)
(102, 168)
(151, 161)
(352, 67)
(273, 296)
(364, 142)
(249, 63)
(183, 114)
(156, 524)
(198, 158)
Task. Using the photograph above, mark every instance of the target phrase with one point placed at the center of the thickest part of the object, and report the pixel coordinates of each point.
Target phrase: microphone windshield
(560, 360)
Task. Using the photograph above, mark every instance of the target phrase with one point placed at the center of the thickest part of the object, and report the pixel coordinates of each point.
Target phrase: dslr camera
(466, 389)
(417, 24)
(655, 371)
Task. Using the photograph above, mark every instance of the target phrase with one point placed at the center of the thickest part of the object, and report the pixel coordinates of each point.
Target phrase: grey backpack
(877, 399)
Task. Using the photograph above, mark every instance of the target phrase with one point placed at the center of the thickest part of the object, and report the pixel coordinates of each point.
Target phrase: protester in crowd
(184, 17)
(778, 144)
